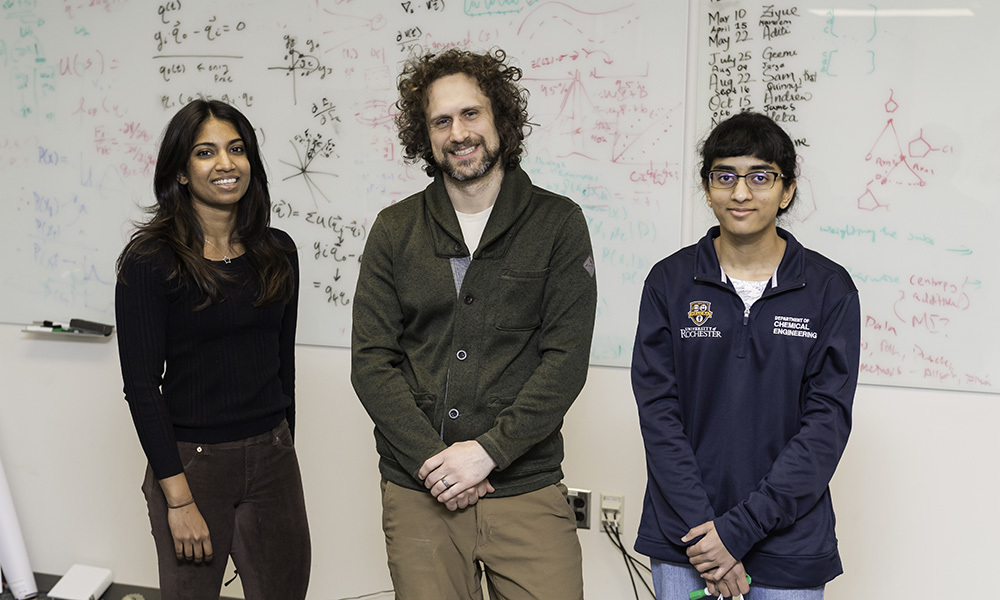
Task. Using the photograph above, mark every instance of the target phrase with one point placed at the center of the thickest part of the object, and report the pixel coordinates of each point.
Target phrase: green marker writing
(699, 594)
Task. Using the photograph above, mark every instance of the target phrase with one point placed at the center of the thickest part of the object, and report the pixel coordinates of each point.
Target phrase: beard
(470, 170)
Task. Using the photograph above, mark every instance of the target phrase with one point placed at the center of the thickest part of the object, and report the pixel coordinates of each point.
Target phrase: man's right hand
(459, 470)
(470, 496)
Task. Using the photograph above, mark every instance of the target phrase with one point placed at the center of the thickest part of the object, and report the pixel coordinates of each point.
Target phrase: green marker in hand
(699, 594)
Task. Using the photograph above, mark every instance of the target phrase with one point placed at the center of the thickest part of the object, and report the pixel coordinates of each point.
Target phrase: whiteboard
(895, 117)
(87, 87)
(887, 103)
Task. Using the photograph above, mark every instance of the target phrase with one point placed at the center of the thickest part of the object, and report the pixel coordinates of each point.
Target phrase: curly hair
(175, 224)
(498, 82)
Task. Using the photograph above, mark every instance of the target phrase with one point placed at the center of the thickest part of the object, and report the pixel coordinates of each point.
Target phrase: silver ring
(444, 483)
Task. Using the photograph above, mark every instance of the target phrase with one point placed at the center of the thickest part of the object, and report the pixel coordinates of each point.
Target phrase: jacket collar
(790, 273)
(513, 199)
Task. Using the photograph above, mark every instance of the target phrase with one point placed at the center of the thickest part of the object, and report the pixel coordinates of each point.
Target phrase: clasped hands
(724, 574)
(457, 476)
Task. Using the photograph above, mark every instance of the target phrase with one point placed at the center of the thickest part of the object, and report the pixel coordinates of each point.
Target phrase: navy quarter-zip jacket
(745, 416)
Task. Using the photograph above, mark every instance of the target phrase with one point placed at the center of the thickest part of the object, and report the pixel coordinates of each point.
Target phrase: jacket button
(461, 354)
(469, 299)
(458, 247)
(453, 413)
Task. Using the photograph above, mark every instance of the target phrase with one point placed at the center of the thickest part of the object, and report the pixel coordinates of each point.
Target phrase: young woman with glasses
(744, 370)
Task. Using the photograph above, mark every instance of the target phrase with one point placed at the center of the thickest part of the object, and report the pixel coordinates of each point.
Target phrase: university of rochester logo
(700, 312)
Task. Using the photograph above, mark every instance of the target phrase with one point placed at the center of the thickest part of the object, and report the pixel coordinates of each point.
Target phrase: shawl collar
(512, 201)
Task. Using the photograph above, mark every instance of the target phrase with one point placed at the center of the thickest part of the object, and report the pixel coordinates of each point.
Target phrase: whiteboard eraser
(91, 326)
(82, 583)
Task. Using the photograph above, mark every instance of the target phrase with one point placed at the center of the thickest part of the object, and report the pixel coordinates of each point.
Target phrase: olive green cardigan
(500, 362)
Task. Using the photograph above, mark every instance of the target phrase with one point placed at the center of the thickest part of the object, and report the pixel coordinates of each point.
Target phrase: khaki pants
(527, 545)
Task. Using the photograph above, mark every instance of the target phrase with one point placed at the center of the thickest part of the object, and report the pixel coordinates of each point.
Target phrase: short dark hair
(497, 81)
(751, 134)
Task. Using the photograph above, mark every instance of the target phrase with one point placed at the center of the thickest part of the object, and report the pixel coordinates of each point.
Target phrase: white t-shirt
(749, 291)
(473, 226)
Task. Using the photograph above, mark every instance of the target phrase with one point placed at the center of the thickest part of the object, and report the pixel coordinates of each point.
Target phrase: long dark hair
(174, 223)
(497, 81)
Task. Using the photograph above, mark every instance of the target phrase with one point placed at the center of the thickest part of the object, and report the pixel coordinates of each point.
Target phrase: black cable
(621, 548)
(371, 595)
(635, 562)
(635, 590)
(625, 557)
(631, 562)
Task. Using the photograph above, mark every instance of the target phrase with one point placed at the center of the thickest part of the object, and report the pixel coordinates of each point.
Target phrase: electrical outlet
(612, 510)
(579, 501)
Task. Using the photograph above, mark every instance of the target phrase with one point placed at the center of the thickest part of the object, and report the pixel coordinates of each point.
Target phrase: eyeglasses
(757, 180)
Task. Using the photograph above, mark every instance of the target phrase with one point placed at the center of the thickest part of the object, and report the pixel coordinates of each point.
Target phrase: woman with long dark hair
(206, 308)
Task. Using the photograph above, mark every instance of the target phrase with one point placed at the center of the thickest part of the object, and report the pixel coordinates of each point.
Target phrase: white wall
(916, 493)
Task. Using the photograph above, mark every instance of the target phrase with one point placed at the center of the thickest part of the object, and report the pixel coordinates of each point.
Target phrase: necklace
(225, 257)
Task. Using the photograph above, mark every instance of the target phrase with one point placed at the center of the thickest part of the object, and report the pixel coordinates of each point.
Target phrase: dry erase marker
(699, 594)
(48, 329)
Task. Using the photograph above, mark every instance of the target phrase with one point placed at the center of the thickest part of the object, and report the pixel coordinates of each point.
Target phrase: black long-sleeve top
(223, 373)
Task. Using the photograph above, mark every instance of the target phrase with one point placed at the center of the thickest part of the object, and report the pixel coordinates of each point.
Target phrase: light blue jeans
(674, 582)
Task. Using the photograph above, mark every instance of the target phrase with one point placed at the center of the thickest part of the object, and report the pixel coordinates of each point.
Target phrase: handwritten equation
(92, 83)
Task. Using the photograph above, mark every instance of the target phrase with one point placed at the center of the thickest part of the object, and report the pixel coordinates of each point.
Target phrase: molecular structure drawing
(895, 165)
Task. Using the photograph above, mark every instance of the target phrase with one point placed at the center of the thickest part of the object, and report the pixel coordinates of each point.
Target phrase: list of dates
(753, 63)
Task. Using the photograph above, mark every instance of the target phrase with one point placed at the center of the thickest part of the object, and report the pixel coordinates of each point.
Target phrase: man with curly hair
(473, 320)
